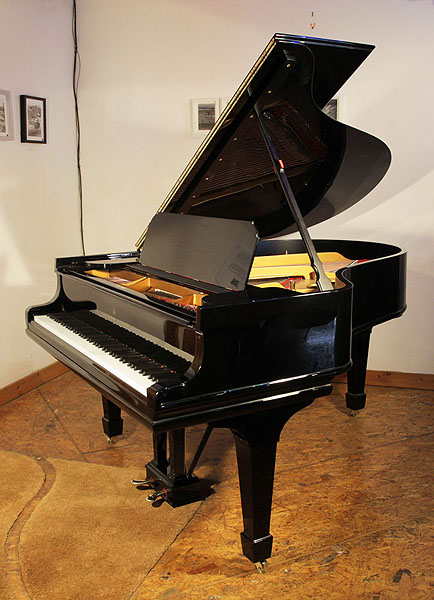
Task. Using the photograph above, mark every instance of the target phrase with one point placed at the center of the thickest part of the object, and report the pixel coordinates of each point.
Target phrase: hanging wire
(75, 80)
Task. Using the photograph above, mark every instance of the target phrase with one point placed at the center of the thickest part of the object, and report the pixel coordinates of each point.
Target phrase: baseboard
(415, 381)
(30, 382)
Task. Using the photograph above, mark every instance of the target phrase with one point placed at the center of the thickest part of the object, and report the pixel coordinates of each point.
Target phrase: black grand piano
(212, 320)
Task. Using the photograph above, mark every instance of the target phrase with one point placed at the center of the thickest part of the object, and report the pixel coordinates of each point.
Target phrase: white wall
(38, 198)
(144, 60)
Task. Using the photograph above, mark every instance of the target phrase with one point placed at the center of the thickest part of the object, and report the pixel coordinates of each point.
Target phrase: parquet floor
(353, 501)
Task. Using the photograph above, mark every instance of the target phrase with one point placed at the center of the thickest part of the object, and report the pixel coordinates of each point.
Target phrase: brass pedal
(149, 481)
(162, 495)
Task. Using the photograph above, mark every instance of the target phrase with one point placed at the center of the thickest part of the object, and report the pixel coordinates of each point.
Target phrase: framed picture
(33, 120)
(6, 119)
(331, 109)
(204, 114)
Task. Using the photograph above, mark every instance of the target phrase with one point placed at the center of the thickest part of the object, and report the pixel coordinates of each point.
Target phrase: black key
(131, 349)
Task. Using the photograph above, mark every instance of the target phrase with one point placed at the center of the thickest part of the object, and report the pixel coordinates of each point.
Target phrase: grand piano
(212, 320)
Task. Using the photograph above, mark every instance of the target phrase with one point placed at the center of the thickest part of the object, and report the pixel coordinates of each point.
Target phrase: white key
(134, 379)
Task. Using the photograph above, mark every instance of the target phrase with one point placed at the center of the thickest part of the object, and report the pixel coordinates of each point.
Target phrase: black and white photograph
(205, 112)
(331, 109)
(6, 129)
(33, 119)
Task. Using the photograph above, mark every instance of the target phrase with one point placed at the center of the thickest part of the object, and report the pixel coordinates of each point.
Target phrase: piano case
(213, 320)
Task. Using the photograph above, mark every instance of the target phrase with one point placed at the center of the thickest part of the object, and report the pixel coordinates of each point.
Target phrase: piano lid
(329, 166)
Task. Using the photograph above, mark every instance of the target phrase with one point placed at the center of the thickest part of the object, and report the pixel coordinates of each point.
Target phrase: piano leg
(356, 376)
(160, 451)
(177, 454)
(256, 438)
(256, 475)
(171, 481)
(112, 422)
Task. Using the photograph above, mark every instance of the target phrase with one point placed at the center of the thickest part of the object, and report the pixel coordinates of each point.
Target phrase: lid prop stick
(323, 282)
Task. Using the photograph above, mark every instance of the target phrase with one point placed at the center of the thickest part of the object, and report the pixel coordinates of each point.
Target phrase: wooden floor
(353, 502)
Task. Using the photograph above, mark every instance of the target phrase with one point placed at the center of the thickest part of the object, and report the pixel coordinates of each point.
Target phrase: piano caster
(261, 567)
(157, 496)
(353, 413)
(110, 441)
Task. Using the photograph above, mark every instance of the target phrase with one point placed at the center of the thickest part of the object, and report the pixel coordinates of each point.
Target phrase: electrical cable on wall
(75, 80)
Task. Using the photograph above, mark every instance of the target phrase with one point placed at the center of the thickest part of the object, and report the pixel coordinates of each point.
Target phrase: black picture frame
(6, 117)
(33, 113)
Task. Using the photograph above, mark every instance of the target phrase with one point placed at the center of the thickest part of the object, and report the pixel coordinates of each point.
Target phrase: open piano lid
(329, 166)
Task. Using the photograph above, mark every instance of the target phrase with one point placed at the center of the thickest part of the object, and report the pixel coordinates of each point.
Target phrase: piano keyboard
(128, 356)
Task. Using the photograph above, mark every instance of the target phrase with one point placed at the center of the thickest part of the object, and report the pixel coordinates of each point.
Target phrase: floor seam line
(13, 571)
(71, 439)
(133, 595)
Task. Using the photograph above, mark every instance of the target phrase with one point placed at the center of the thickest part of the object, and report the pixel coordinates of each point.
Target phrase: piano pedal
(150, 481)
(261, 567)
(157, 497)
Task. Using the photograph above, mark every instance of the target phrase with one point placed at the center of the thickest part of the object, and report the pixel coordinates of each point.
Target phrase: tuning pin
(156, 495)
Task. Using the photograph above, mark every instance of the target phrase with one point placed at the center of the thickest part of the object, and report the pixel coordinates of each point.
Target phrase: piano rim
(190, 318)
